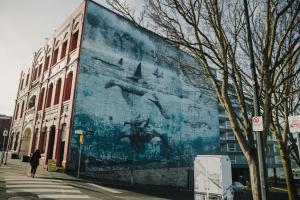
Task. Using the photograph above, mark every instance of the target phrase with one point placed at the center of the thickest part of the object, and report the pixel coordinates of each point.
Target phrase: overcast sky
(24, 26)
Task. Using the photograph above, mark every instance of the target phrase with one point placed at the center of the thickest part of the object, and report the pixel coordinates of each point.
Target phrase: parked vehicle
(212, 176)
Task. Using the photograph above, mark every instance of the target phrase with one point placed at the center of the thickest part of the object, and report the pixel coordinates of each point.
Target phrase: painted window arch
(16, 141)
(31, 102)
(27, 79)
(41, 99)
(74, 40)
(68, 86)
(22, 109)
(17, 111)
(43, 138)
(21, 87)
(46, 64)
(64, 49)
(49, 95)
(57, 91)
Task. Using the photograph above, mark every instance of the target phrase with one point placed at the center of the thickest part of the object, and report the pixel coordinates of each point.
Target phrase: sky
(24, 25)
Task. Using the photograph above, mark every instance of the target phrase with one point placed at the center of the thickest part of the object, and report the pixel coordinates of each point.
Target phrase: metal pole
(79, 159)
(256, 105)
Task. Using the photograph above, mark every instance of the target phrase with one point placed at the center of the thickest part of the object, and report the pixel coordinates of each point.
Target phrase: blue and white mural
(142, 112)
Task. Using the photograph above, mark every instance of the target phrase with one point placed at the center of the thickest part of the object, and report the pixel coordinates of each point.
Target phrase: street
(16, 184)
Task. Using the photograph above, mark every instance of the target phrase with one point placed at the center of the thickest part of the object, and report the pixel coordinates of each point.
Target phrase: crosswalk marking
(105, 188)
(38, 186)
(62, 196)
(43, 188)
(28, 178)
(39, 190)
(33, 182)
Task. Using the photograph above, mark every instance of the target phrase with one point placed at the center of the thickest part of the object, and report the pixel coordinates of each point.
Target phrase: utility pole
(256, 107)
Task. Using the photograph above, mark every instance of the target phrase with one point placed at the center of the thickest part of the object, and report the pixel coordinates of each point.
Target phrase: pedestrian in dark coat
(34, 162)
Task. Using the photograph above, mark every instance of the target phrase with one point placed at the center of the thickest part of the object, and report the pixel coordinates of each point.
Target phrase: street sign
(81, 139)
(257, 123)
(5, 133)
(294, 123)
(79, 132)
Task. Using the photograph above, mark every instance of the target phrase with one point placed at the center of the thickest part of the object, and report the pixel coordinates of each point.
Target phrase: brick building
(101, 73)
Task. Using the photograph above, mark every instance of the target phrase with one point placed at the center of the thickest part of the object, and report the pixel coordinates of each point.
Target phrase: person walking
(34, 162)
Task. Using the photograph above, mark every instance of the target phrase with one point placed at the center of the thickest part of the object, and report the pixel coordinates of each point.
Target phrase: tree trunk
(289, 179)
(254, 178)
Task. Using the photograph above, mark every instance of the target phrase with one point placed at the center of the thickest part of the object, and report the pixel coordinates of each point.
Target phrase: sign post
(5, 134)
(81, 140)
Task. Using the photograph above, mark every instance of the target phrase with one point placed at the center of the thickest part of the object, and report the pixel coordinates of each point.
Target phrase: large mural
(141, 111)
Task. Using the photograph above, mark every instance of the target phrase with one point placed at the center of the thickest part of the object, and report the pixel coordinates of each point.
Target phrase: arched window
(68, 86)
(22, 110)
(43, 138)
(41, 98)
(21, 87)
(57, 92)
(46, 65)
(27, 79)
(40, 70)
(74, 40)
(16, 141)
(31, 102)
(49, 95)
(17, 111)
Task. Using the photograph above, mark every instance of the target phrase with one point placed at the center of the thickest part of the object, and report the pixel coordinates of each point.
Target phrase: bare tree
(285, 102)
(227, 45)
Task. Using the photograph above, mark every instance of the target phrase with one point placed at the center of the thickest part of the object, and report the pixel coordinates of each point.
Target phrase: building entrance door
(51, 142)
(25, 144)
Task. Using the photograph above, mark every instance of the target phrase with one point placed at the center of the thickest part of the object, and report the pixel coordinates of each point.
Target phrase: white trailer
(212, 177)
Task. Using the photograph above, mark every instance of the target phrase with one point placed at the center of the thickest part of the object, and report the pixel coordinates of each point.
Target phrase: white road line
(38, 190)
(105, 188)
(31, 179)
(63, 196)
(38, 186)
(31, 182)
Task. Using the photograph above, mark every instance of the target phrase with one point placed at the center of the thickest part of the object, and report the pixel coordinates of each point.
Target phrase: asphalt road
(16, 184)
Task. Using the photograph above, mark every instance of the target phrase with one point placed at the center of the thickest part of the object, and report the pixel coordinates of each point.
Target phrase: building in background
(101, 73)
(5, 122)
(229, 145)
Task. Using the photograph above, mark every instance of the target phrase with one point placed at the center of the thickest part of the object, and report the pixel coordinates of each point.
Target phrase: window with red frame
(27, 79)
(74, 40)
(49, 95)
(68, 87)
(64, 49)
(42, 144)
(40, 70)
(46, 65)
(17, 111)
(22, 110)
(41, 98)
(57, 92)
(21, 87)
(55, 54)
